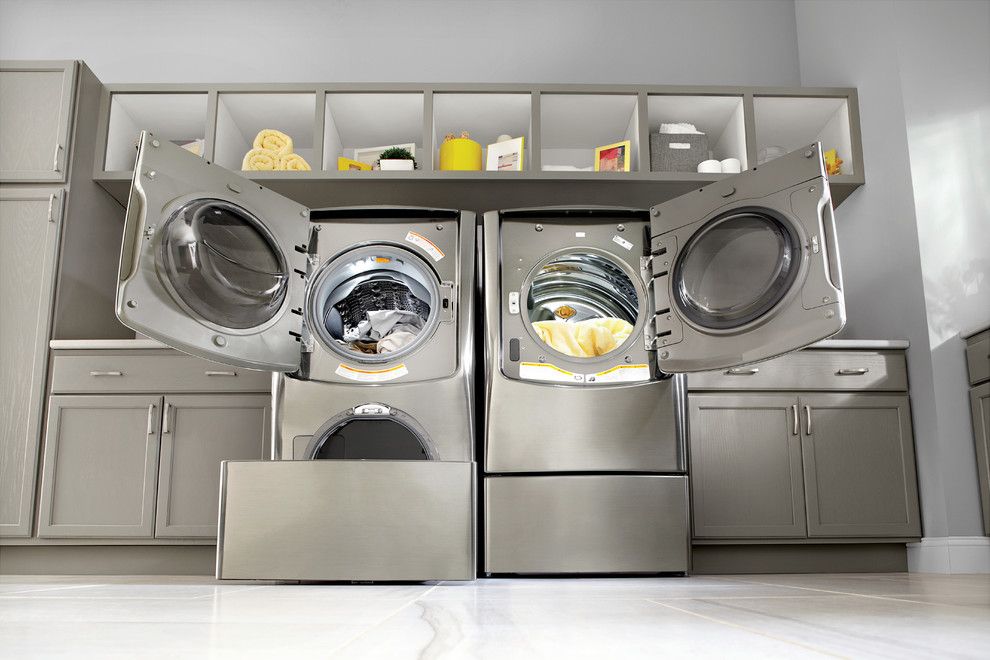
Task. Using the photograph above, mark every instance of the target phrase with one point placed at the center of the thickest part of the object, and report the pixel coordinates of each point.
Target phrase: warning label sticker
(425, 244)
(372, 375)
(623, 373)
(618, 240)
(548, 373)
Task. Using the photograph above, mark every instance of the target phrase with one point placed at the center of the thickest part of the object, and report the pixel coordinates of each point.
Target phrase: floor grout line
(748, 629)
(58, 588)
(343, 645)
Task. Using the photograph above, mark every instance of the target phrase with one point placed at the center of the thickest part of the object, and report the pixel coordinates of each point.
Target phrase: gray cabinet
(29, 229)
(198, 432)
(100, 466)
(979, 398)
(36, 115)
(859, 466)
(745, 466)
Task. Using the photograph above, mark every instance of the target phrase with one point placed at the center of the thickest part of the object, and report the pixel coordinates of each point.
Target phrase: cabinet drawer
(93, 371)
(978, 357)
(812, 370)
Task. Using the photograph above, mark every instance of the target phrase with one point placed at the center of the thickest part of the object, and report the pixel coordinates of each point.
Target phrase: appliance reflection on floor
(903, 615)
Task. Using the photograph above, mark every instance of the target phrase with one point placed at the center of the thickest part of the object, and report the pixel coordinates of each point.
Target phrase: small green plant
(397, 153)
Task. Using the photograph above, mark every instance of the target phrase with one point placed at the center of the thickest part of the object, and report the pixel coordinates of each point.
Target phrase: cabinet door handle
(794, 430)
(221, 373)
(55, 167)
(151, 419)
(106, 373)
(807, 419)
(165, 418)
(859, 371)
(51, 208)
(743, 371)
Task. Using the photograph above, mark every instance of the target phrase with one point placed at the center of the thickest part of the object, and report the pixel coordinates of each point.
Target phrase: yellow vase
(460, 154)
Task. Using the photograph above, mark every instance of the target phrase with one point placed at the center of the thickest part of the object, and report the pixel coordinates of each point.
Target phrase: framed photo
(613, 157)
(370, 155)
(505, 156)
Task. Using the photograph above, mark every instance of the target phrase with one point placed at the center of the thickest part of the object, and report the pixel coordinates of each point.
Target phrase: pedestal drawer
(813, 370)
(165, 371)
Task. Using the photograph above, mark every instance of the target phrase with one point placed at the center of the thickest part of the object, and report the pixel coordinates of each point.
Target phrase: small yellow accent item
(293, 162)
(277, 141)
(260, 160)
(461, 153)
(833, 164)
(588, 338)
(347, 164)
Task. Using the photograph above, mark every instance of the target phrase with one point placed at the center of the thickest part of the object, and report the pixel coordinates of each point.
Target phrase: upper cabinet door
(746, 269)
(35, 116)
(212, 264)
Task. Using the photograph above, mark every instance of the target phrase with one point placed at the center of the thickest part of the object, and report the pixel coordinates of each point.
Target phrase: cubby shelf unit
(561, 124)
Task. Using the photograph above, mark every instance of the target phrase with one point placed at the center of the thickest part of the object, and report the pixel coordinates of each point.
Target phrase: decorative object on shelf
(396, 158)
(460, 153)
(767, 154)
(505, 155)
(372, 154)
(731, 166)
(613, 157)
(197, 146)
(348, 165)
(833, 164)
(710, 167)
(273, 151)
(277, 141)
(678, 147)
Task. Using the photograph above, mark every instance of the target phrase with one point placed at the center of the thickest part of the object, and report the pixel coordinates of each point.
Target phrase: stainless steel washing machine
(365, 317)
(592, 314)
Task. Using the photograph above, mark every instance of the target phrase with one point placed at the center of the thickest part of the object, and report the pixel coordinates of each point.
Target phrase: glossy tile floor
(853, 615)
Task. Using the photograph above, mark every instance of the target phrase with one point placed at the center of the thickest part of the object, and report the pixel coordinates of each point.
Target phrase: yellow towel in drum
(588, 338)
(293, 162)
(277, 141)
(260, 160)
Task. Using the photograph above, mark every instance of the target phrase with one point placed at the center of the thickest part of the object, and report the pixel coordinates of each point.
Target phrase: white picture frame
(505, 156)
(370, 155)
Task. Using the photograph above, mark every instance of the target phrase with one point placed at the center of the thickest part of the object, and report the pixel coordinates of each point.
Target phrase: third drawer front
(813, 370)
(151, 373)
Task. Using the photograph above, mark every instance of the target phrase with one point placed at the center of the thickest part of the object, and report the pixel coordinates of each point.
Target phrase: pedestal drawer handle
(106, 373)
(151, 419)
(743, 371)
(221, 373)
(852, 372)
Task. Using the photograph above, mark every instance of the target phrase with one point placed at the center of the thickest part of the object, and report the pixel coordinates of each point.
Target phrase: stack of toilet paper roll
(727, 166)
(273, 151)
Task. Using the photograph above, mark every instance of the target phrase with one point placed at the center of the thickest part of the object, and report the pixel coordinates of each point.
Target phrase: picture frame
(369, 155)
(505, 156)
(613, 157)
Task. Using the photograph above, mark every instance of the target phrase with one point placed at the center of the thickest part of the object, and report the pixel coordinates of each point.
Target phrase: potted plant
(396, 158)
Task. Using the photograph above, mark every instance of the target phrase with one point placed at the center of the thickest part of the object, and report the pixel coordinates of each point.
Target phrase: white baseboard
(950, 554)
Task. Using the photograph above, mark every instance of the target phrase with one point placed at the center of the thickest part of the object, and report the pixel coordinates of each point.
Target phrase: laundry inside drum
(582, 304)
(377, 305)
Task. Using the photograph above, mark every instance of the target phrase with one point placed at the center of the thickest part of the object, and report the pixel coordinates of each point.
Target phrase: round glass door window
(374, 303)
(582, 304)
(736, 268)
(369, 439)
(222, 264)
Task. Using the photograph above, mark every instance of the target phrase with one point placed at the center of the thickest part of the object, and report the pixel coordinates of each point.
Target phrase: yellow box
(460, 154)
(345, 164)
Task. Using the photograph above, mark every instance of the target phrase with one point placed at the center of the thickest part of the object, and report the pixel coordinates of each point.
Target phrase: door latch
(372, 409)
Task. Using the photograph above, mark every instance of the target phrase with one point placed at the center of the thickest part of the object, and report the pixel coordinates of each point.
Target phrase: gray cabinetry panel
(978, 357)
(745, 466)
(813, 370)
(859, 466)
(29, 226)
(198, 432)
(586, 524)
(979, 398)
(100, 466)
(36, 115)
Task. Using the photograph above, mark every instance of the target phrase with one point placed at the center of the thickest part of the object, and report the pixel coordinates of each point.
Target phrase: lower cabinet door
(745, 466)
(979, 398)
(198, 433)
(100, 466)
(859, 467)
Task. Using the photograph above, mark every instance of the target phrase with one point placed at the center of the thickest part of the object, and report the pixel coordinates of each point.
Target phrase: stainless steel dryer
(364, 316)
(590, 316)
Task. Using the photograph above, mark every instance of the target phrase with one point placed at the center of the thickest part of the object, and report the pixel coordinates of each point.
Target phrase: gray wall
(914, 239)
(719, 41)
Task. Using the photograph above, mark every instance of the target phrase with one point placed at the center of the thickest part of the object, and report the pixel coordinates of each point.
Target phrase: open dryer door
(211, 263)
(745, 269)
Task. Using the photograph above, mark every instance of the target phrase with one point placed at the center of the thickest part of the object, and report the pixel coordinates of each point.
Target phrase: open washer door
(745, 269)
(211, 263)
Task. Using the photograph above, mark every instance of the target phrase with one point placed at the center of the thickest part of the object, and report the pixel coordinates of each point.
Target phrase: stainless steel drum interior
(220, 262)
(736, 268)
(371, 278)
(591, 284)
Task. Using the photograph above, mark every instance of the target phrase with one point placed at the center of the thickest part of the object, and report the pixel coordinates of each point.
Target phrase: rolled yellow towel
(277, 141)
(293, 162)
(588, 338)
(260, 160)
